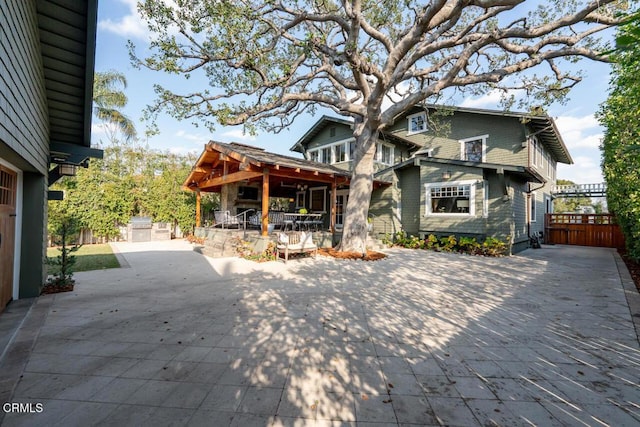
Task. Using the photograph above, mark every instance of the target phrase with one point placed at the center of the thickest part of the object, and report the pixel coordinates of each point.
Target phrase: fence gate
(599, 230)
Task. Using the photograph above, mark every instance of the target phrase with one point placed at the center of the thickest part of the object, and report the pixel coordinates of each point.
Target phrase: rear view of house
(458, 171)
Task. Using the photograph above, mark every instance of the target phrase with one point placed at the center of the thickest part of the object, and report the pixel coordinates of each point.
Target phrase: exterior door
(341, 203)
(8, 185)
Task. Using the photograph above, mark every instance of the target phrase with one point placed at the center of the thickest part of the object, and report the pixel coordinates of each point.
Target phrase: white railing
(580, 190)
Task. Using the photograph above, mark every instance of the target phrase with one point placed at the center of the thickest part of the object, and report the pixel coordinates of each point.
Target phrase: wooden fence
(599, 230)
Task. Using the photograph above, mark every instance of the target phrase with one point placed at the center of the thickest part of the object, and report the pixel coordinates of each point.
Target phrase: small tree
(270, 61)
(64, 231)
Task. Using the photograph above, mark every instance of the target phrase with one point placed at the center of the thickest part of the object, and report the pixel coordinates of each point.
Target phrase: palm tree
(108, 98)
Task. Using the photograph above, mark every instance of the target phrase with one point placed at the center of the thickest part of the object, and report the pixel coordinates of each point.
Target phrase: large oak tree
(267, 62)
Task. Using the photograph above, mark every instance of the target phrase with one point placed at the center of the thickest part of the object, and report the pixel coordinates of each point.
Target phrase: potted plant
(62, 278)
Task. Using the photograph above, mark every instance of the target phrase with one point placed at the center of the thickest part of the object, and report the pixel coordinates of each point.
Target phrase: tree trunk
(354, 232)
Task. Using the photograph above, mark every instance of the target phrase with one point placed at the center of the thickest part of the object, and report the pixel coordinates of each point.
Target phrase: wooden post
(224, 189)
(198, 197)
(265, 202)
(334, 190)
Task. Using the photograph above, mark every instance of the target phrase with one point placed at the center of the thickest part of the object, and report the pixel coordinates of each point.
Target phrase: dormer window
(417, 123)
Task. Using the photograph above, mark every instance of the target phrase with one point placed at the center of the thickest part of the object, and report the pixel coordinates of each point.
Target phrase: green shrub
(431, 242)
(494, 247)
(448, 244)
(469, 245)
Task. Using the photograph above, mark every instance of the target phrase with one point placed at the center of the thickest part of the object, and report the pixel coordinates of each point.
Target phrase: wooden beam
(265, 202)
(202, 169)
(234, 155)
(309, 176)
(334, 196)
(229, 178)
(198, 197)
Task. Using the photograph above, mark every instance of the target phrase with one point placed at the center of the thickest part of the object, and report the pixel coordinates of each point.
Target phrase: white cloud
(183, 150)
(585, 170)
(491, 99)
(238, 134)
(582, 135)
(580, 132)
(130, 25)
(198, 138)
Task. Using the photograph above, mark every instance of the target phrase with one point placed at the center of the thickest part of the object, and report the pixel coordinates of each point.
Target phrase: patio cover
(221, 163)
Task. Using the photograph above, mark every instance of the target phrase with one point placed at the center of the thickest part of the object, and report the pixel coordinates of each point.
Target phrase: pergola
(221, 164)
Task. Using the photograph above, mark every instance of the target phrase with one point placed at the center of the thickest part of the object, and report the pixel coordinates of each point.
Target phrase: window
(326, 155)
(539, 155)
(532, 206)
(417, 123)
(333, 153)
(451, 198)
(300, 199)
(340, 152)
(352, 150)
(534, 150)
(318, 199)
(8, 180)
(384, 154)
(474, 149)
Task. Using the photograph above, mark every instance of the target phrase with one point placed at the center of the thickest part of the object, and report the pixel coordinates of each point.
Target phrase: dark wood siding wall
(23, 108)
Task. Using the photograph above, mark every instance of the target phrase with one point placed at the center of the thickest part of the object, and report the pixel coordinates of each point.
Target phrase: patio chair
(224, 218)
(296, 242)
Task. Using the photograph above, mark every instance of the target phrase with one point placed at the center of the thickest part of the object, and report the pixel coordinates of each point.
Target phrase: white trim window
(318, 199)
(533, 207)
(474, 149)
(417, 123)
(534, 150)
(456, 198)
(326, 155)
(337, 152)
(384, 153)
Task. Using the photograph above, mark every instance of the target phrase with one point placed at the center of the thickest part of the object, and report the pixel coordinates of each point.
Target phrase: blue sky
(118, 23)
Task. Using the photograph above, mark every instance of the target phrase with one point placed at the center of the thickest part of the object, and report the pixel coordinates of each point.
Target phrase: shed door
(8, 181)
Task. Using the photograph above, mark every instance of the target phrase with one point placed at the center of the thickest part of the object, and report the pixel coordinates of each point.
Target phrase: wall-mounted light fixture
(67, 170)
(302, 187)
(446, 175)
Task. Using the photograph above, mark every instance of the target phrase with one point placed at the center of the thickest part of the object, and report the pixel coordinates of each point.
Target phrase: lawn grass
(88, 257)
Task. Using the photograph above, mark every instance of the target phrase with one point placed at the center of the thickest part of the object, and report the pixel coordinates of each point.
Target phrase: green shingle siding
(411, 199)
(23, 107)
(455, 224)
(324, 137)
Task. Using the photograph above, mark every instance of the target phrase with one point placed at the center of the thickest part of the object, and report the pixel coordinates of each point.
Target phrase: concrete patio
(420, 338)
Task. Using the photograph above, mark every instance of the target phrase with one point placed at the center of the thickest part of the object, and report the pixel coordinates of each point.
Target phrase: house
(47, 58)
(462, 171)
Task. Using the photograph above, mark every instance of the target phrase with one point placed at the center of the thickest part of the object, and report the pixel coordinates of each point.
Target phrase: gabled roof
(529, 174)
(542, 126)
(316, 128)
(245, 162)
